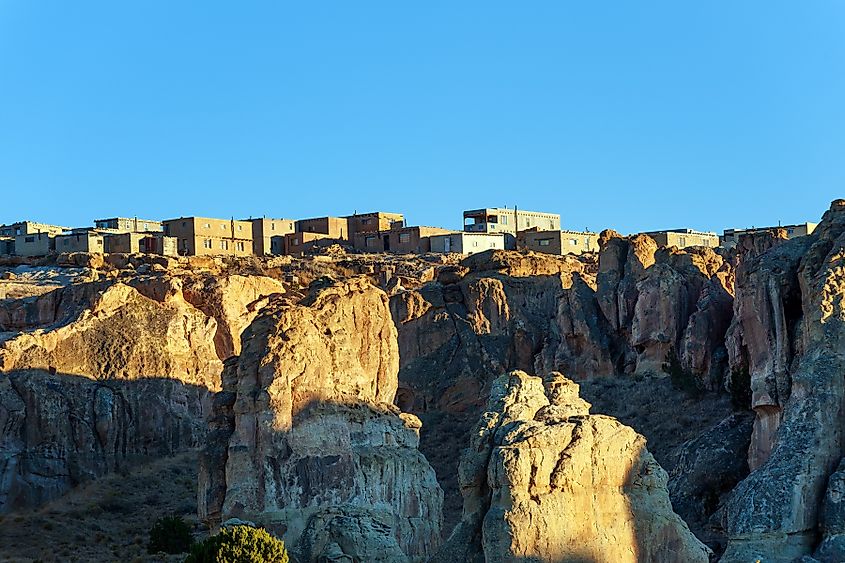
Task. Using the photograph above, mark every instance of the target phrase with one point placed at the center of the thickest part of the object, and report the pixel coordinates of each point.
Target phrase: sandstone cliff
(304, 438)
(543, 480)
(788, 334)
(101, 374)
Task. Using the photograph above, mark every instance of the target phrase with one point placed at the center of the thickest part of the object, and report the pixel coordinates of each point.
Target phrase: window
(207, 243)
(146, 227)
(240, 227)
(551, 224)
(682, 241)
(222, 227)
(184, 224)
(475, 243)
(224, 244)
(241, 246)
(272, 226)
(544, 241)
(296, 241)
(573, 242)
(404, 237)
(366, 221)
(29, 239)
(370, 242)
(504, 219)
(207, 225)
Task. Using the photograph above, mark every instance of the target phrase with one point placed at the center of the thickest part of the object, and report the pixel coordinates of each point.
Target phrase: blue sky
(631, 115)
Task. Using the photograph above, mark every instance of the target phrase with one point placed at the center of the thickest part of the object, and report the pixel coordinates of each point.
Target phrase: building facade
(333, 227)
(7, 245)
(263, 231)
(30, 227)
(401, 240)
(558, 242)
(683, 238)
(374, 222)
(141, 243)
(201, 236)
(466, 243)
(35, 244)
(129, 225)
(508, 222)
(88, 241)
(731, 237)
(297, 243)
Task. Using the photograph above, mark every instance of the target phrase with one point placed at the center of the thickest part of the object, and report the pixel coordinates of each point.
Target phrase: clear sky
(631, 115)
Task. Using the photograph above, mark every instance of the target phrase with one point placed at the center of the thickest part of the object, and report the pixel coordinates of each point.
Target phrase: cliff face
(789, 336)
(543, 480)
(100, 374)
(312, 447)
(628, 312)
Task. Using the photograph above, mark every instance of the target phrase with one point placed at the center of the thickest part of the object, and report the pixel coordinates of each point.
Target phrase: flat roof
(505, 209)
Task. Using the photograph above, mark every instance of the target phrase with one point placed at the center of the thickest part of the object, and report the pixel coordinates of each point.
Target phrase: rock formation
(543, 480)
(57, 431)
(98, 375)
(788, 334)
(304, 438)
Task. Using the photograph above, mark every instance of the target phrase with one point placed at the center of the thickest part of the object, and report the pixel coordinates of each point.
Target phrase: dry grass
(105, 520)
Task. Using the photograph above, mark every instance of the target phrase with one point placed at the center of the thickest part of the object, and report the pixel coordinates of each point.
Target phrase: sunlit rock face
(543, 480)
(99, 373)
(789, 335)
(305, 440)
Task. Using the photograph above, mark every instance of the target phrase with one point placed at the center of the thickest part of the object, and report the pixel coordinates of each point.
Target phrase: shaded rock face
(789, 334)
(502, 310)
(543, 480)
(132, 363)
(57, 431)
(312, 446)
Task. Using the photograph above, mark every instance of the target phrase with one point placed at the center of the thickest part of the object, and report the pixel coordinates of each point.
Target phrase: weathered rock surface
(543, 480)
(57, 430)
(136, 348)
(789, 334)
(502, 310)
(313, 447)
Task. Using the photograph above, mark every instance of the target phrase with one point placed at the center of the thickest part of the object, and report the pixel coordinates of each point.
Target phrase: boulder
(543, 480)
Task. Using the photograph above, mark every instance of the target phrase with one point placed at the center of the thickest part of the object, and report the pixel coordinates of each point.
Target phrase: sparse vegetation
(740, 388)
(170, 534)
(682, 379)
(239, 544)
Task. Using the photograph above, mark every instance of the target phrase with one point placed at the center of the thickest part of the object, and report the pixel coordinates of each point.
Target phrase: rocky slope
(305, 439)
(543, 480)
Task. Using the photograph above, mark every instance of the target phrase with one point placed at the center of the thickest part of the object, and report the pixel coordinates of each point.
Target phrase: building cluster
(375, 232)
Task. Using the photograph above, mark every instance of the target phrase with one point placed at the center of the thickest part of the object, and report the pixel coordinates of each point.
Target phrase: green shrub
(681, 379)
(239, 544)
(170, 534)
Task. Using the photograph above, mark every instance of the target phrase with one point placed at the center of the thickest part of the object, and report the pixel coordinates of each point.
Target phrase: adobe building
(7, 245)
(201, 236)
(731, 237)
(30, 227)
(467, 243)
(509, 222)
(263, 231)
(87, 241)
(35, 244)
(558, 242)
(402, 240)
(683, 238)
(332, 227)
(142, 243)
(129, 225)
(374, 222)
(295, 244)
